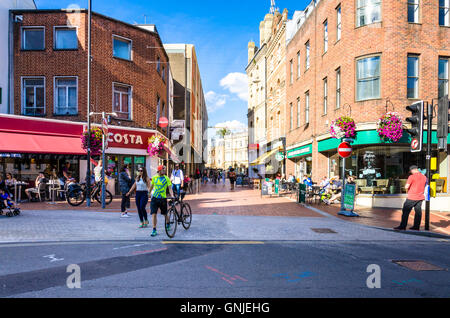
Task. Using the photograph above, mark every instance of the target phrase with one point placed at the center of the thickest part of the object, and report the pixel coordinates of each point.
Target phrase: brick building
(129, 76)
(363, 59)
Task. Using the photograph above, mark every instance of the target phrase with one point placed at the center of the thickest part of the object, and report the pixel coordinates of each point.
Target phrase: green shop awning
(299, 152)
(370, 137)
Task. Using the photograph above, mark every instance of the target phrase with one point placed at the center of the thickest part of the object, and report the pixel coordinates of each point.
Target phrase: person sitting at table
(9, 182)
(337, 190)
(40, 179)
(308, 181)
(291, 179)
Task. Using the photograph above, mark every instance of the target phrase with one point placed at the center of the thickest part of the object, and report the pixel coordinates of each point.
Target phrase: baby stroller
(10, 211)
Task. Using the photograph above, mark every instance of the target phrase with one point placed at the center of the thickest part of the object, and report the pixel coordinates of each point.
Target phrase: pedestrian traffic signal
(416, 121)
(443, 121)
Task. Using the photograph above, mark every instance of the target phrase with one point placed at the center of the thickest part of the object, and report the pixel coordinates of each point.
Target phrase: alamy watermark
(74, 279)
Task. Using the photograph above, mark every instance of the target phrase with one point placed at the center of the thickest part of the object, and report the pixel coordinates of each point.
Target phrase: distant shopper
(415, 186)
(98, 171)
(125, 184)
(141, 185)
(177, 179)
(232, 177)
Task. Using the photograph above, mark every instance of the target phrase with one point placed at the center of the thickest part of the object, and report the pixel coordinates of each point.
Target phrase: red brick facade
(392, 39)
(140, 73)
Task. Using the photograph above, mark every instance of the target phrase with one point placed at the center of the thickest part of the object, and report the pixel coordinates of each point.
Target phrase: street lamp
(114, 115)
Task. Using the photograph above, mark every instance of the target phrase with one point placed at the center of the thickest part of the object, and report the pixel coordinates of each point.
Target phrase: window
(122, 101)
(325, 36)
(66, 96)
(338, 88)
(367, 12)
(158, 109)
(163, 75)
(325, 95)
(291, 70)
(158, 65)
(298, 64)
(444, 15)
(368, 78)
(339, 23)
(307, 55)
(66, 38)
(33, 38)
(307, 107)
(413, 11)
(33, 96)
(413, 76)
(291, 123)
(298, 112)
(122, 48)
(443, 77)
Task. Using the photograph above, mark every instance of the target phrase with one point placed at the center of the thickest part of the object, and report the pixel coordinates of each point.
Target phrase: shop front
(301, 157)
(31, 145)
(382, 169)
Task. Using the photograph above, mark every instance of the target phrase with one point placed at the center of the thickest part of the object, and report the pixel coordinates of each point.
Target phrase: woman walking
(141, 185)
(125, 184)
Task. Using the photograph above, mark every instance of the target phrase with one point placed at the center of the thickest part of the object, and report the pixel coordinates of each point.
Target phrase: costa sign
(118, 138)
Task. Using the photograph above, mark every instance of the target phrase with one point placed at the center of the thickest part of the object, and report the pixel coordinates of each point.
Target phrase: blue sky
(220, 30)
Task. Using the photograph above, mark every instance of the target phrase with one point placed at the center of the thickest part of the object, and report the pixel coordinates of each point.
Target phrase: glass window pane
(121, 48)
(413, 87)
(443, 68)
(66, 39)
(66, 82)
(40, 97)
(34, 82)
(413, 66)
(61, 97)
(33, 39)
(443, 88)
(116, 103)
(73, 97)
(29, 96)
(124, 103)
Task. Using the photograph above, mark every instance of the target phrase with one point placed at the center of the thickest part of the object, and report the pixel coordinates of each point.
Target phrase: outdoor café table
(18, 184)
(53, 186)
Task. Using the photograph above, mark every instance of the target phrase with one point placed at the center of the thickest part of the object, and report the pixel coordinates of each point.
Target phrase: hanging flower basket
(343, 127)
(156, 145)
(390, 127)
(95, 137)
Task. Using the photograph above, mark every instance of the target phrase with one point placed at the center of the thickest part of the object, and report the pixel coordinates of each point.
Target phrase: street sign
(415, 144)
(345, 150)
(163, 122)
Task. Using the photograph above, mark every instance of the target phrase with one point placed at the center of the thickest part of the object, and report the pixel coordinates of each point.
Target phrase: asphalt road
(259, 269)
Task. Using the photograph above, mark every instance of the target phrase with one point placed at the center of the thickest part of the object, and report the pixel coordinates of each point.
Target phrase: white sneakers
(125, 215)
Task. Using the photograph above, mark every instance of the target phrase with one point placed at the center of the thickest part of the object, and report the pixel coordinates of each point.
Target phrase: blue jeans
(176, 188)
(141, 203)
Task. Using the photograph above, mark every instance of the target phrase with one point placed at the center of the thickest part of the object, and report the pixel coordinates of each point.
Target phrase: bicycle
(76, 194)
(174, 218)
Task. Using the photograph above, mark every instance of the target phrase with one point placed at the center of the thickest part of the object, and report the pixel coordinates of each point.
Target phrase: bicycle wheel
(108, 197)
(186, 215)
(76, 199)
(171, 222)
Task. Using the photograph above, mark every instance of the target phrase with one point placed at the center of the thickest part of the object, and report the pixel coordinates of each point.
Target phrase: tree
(223, 132)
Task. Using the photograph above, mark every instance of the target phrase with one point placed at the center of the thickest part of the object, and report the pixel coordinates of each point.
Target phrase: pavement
(218, 214)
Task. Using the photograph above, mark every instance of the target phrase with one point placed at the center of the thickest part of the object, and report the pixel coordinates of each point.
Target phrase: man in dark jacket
(125, 184)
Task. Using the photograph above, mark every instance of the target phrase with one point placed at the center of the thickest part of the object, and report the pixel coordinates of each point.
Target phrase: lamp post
(104, 140)
(88, 171)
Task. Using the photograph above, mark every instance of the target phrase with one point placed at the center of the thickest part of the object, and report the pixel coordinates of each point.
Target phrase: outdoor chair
(402, 183)
(382, 185)
(440, 185)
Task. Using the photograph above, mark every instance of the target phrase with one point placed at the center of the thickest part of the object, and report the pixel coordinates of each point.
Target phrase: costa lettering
(125, 139)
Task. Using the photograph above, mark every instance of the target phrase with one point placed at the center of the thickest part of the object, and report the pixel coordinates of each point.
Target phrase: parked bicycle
(76, 194)
(179, 212)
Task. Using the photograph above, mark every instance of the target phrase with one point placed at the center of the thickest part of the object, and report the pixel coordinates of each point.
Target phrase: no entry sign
(345, 150)
(415, 144)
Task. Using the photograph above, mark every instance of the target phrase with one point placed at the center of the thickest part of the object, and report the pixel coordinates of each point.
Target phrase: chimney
(251, 51)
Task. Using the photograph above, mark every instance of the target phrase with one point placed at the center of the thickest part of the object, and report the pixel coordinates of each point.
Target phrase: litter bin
(302, 193)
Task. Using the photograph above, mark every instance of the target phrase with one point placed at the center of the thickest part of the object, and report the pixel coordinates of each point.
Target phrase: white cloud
(236, 83)
(232, 125)
(215, 101)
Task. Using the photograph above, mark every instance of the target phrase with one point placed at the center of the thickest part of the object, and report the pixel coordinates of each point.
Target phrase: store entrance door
(115, 164)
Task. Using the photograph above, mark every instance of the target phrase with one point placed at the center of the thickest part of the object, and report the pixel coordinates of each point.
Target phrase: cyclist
(159, 187)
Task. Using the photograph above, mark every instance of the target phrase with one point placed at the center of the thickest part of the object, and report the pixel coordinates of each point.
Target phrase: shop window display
(385, 169)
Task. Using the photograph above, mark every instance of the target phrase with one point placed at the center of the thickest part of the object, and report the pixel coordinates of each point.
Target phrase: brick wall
(393, 39)
(146, 83)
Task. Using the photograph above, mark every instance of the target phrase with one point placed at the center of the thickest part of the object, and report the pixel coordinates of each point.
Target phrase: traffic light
(416, 121)
(443, 120)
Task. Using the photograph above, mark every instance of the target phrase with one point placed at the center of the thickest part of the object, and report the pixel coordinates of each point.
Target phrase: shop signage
(349, 196)
(345, 150)
(298, 152)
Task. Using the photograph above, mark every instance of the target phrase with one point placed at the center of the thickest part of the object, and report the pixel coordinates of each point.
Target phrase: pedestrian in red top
(415, 186)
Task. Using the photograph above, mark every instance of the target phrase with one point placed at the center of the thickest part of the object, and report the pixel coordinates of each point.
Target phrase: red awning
(41, 144)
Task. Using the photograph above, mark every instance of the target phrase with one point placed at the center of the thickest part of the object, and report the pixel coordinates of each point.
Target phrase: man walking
(415, 186)
(159, 186)
(177, 180)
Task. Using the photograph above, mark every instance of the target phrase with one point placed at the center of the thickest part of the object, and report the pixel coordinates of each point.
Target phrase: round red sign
(345, 150)
(163, 122)
(415, 144)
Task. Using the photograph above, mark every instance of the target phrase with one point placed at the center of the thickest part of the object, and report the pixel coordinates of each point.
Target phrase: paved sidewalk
(218, 199)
